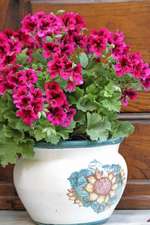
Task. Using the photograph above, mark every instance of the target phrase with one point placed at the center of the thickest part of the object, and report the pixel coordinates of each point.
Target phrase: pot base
(90, 223)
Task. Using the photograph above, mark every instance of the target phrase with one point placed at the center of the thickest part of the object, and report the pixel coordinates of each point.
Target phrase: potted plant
(61, 91)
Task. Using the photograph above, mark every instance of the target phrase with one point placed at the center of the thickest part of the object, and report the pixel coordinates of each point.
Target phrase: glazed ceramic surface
(75, 182)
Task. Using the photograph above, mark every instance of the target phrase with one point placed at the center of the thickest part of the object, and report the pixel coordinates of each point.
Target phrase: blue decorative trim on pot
(98, 187)
(90, 223)
(78, 144)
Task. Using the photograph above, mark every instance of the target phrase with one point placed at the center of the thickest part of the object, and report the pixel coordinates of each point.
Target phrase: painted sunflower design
(101, 187)
(97, 187)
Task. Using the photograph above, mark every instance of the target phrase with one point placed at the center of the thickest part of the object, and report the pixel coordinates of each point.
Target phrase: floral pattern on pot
(99, 186)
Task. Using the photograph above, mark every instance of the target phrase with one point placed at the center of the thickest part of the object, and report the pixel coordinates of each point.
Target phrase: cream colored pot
(75, 182)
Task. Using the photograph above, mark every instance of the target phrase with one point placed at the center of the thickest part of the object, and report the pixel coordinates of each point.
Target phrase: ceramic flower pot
(75, 182)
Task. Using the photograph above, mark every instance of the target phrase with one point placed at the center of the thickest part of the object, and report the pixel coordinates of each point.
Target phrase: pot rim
(78, 144)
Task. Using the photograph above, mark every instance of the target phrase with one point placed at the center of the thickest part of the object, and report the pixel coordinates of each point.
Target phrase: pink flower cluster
(126, 62)
(59, 38)
(29, 102)
(66, 33)
(59, 111)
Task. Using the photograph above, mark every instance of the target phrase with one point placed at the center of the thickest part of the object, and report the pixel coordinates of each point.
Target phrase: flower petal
(93, 196)
(89, 188)
(114, 187)
(113, 180)
(91, 179)
(101, 199)
(110, 176)
(106, 198)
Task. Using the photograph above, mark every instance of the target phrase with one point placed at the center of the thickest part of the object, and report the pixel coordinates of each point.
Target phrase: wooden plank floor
(120, 217)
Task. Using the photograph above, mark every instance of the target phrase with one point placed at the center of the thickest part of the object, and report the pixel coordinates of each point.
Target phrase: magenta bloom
(69, 118)
(56, 116)
(21, 77)
(28, 100)
(4, 45)
(50, 49)
(27, 115)
(97, 41)
(123, 66)
(145, 77)
(55, 96)
(60, 66)
(73, 21)
(29, 24)
(49, 24)
(128, 94)
(120, 47)
(75, 79)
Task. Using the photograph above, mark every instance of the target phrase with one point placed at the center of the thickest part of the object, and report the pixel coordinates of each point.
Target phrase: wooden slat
(136, 151)
(81, 1)
(141, 117)
(4, 4)
(24, 8)
(9, 14)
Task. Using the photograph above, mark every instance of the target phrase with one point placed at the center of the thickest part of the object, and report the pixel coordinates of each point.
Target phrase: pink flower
(145, 76)
(52, 86)
(30, 76)
(97, 41)
(28, 100)
(38, 100)
(29, 24)
(67, 45)
(56, 116)
(55, 97)
(69, 118)
(64, 68)
(50, 49)
(3, 85)
(3, 80)
(60, 66)
(27, 115)
(120, 47)
(128, 94)
(146, 82)
(4, 45)
(137, 64)
(27, 41)
(80, 40)
(75, 79)
(123, 66)
(73, 21)
(49, 24)
(21, 77)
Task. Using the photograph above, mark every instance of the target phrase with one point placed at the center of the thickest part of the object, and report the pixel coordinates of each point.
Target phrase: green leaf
(22, 58)
(9, 151)
(111, 104)
(86, 103)
(83, 59)
(38, 57)
(122, 129)
(97, 127)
